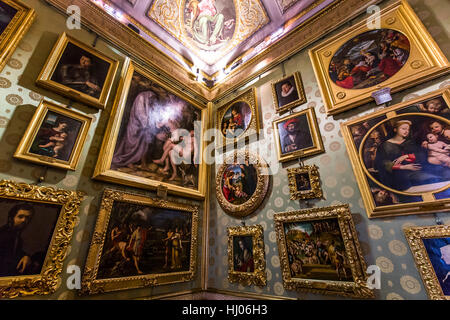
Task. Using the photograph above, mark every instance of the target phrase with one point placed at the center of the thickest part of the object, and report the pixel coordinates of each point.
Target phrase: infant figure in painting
(438, 151)
(57, 142)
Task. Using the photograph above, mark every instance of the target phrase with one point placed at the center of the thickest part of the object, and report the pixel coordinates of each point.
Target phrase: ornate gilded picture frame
(355, 63)
(304, 183)
(141, 242)
(242, 183)
(246, 256)
(430, 247)
(338, 267)
(400, 157)
(79, 72)
(36, 226)
(288, 92)
(154, 137)
(297, 135)
(55, 136)
(238, 119)
(16, 20)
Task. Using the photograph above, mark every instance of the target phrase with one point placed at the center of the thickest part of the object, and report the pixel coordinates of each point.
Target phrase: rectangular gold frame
(428, 205)
(91, 285)
(251, 99)
(44, 78)
(258, 277)
(315, 135)
(48, 280)
(426, 61)
(414, 235)
(314, 181)
(19, 25)
(22, 151)
(102, 169)
(301, 93)
(358, 288)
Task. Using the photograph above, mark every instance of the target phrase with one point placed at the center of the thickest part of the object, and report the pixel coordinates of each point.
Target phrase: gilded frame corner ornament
(16, 29)
(415, 236)
(300, 90)
(429, 203)
(258, 276)
(315, 192)
(426, 61)
(44, 79)
(358, 287)
(250, 98)
(91, 285)
(44, 107)
(262, 184)
(50, 277)
(314, 131)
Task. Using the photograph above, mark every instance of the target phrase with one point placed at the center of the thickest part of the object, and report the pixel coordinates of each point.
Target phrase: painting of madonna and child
(239, 183)
(369, 59)
(316, 250)
(145, 240)
(236, 120)
(408, 153)
(157, 138)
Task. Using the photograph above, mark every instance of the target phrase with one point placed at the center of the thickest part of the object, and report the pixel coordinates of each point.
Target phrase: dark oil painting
(302, 181)
(236, 120)
(243, 254)
(239, 183)
(438, 250)
(7, 13)
(286, 91)
(295, 134)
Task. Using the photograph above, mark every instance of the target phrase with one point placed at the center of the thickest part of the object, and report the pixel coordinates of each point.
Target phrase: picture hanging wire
(438, 219)
(94, 43)
(243, 223)
(283, 69)
(42, 175)
(301, 163)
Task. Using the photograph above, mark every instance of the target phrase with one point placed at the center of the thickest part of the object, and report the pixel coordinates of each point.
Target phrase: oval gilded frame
(262, 185)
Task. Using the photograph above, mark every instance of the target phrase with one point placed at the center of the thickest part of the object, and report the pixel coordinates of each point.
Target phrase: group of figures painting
(400, 155)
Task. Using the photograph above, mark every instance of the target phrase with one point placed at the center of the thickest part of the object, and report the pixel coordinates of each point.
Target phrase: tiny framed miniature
(141, 242)
(246, 257)
(55, 136)
(336, 265)
(400, 156)
(297, 135)
(430, 247)
(288, 92)
(238, 119)
(355, 63)
(242, 183)
(16, 19)
(78, 71)
(304, 183)
(36, 226)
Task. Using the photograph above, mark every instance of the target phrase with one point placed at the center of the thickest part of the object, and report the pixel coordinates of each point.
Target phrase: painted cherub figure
(57, 142)
(438, 151)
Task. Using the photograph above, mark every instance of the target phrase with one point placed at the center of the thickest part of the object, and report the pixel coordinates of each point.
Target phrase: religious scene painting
(236, 120)
(210, 24)
(239, 183)
(404, 152)
(288, 92)
(78, 71)
(304, 183)
(369, 59)
(243, 254)
(438, 250)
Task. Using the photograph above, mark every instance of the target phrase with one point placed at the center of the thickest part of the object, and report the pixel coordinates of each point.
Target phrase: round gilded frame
(262, 185)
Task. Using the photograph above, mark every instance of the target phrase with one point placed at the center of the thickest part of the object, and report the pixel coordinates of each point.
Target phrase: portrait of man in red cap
(295, 134)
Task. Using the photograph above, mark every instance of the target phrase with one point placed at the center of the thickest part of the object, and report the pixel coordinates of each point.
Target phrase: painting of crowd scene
(157, 138)
(145, 240)
(56, 137)
(239, 183)
(236, 120)
(408, 153)
(243, 254)
(369, 59)
(316, 251)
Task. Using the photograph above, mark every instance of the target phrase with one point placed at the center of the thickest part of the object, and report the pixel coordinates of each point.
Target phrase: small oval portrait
(409, 154)
(236, 120)
(369, 59)
(239, 183)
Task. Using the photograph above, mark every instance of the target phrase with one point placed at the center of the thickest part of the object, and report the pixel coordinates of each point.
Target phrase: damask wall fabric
(382, 240)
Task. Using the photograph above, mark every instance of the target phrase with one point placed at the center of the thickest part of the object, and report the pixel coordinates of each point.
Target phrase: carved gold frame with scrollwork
(415, 236)
(426, 61)
(314, 180)
(357, 288)
(258, 276)
(92, 285)
(262, 184)
(16, 29)
(48, 280)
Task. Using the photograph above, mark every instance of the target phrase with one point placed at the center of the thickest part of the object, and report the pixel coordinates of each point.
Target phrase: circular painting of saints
(210, 23)
(409, 153)
(239, 183)
(369, 59)
(236, 120)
